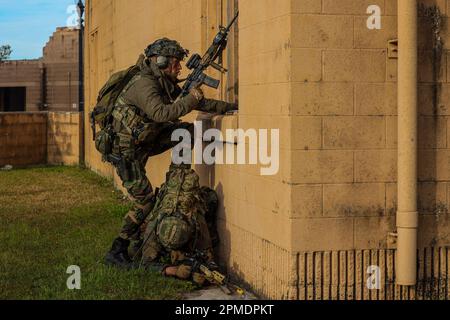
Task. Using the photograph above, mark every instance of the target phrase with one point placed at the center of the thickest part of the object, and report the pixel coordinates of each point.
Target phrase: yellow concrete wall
(312, 69)
(63, 134)
(37, 138)
(344, 149)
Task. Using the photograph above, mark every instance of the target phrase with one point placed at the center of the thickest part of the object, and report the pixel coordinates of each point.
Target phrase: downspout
(407, 215)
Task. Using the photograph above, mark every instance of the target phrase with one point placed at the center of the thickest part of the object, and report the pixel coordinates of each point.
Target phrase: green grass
(54, 217)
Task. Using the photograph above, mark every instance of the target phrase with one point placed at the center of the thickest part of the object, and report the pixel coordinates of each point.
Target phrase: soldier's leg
(164, 141)
(134, 179)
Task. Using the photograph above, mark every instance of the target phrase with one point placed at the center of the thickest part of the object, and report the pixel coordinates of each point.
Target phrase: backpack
(108, 95)
(181, 197)
(102, 112)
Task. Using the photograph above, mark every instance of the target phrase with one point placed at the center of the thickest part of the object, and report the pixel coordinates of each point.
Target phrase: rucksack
(108, 95)
(181, 197)
(102, 112)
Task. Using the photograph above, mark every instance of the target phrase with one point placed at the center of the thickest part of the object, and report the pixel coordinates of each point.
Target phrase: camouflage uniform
(144, 118)
(180, 224)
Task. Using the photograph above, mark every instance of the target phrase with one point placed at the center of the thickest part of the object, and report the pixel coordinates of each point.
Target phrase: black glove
(231, 107)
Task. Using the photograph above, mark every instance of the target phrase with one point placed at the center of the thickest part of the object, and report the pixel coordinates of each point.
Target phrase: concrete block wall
(63, 132)
(38, 138)
(345, 169)
(23, 138)
(60, 56)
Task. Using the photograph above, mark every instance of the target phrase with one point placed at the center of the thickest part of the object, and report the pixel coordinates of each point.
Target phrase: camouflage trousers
(134, 177)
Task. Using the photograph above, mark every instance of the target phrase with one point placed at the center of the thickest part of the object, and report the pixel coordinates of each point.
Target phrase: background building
(49, 83)
(312, 69)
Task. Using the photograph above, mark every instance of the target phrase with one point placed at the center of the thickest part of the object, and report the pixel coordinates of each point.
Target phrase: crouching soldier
(180, 227)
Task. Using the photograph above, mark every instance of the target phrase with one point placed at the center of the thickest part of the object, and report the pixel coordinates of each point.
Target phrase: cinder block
(260, 192)
(433, 165)
(448, 132)
(284, 169)
(391, 6)
(426, 71)
(425, 35)
(322, 98)
(338, 234)
(391, 198)
(322, 166)
(277, 68)
(306, 6)
(265, 9)
(306, 201)
(306, 133)
(428, 105)
(354, 200)
(372, 232)
(350, 7)
(355, 65)
(432, 132)
(265, 99)
(391, 132)
(374, 99)
(357, 132)
(432, 198)
(366, 38)
(375, 165)
(267, 36)
(429, 235)
(391, 70)
(264, 224)
(282, 124)
(322, 31)
(306, 65)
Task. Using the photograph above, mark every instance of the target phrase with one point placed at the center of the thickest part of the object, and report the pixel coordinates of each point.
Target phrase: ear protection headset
(162, 62)
(163, 49)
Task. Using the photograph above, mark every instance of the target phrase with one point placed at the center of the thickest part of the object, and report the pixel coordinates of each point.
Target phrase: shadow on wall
(432, 140)
(224, 249)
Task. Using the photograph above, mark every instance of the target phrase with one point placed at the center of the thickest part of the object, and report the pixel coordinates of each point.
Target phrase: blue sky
(26, 25)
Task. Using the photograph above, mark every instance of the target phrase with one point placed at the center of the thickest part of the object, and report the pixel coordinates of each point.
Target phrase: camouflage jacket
(152, 96)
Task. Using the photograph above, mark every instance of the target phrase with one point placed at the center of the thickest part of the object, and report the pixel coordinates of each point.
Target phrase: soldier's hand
(232, 108)
(197, 93)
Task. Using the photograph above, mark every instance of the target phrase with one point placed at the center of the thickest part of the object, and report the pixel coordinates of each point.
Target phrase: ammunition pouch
(104, 141)
(121, 164)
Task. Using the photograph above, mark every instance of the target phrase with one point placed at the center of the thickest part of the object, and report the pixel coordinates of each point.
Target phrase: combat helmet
(166, 48)
(174, 232)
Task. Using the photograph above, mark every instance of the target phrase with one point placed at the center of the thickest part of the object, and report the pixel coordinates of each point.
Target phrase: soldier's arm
(147, 97)
(215, 106)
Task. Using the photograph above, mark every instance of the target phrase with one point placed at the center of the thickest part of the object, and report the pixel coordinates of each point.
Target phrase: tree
(5, 52)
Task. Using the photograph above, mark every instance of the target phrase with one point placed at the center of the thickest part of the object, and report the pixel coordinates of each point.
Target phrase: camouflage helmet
(174, 232)
(166, 48)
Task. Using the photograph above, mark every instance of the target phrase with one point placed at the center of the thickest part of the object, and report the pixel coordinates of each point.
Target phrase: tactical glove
(197, 93)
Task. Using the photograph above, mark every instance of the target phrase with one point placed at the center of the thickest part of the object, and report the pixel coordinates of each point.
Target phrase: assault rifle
(199, 262)
(198, 64)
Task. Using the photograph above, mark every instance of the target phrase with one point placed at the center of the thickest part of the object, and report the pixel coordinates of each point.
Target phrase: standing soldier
(144, 116)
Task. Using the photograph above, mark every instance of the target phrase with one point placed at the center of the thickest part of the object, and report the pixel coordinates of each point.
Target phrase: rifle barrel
(232, 21)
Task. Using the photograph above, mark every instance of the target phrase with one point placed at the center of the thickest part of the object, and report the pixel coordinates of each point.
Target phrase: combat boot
(118, 255)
